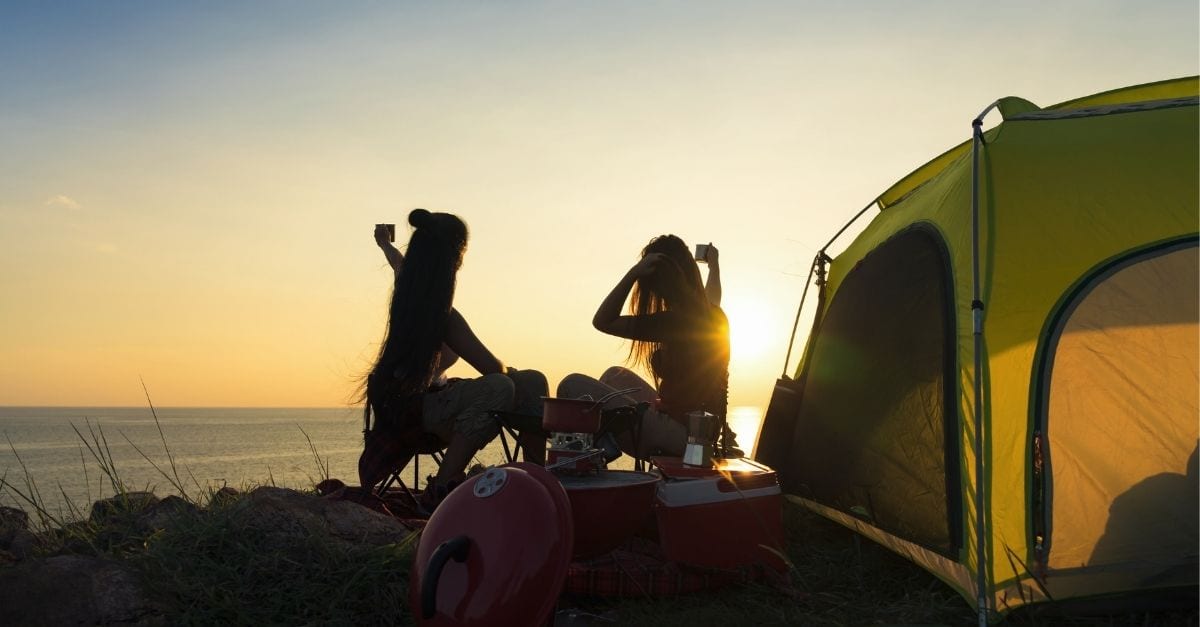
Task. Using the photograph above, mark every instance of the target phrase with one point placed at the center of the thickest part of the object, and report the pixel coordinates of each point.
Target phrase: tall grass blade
(1013, 560)
(171, 480)
(100, 452)
(87, 482)
(118, 485)
(322, 463)
(73, 511)
(31, 495)
(170, 458)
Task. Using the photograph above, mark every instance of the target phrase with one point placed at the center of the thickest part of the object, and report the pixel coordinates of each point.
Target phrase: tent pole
(847, 225)
(796, 325)
(820, 259)
(977, 329)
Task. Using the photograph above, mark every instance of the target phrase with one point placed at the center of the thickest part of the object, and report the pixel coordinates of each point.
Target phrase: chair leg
(517, 451)
(638, 464)
(388, 483)
(508, 455)
(411, 496)
(519, 448)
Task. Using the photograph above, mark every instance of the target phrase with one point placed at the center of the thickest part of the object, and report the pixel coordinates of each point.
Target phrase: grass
(836, 579)
(208, 570)
(840, 578)
(205, 568)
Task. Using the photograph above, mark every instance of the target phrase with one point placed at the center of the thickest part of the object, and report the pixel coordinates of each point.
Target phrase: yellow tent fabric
(1162, 90)
(1089, 213)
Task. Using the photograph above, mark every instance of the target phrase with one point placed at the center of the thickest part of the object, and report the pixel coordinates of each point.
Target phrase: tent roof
(1013, 108)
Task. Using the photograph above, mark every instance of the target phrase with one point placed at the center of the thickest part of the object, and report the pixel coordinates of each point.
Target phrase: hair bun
(418, 218)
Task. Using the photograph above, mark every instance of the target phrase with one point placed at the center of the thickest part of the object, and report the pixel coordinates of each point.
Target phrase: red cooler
(727, 516)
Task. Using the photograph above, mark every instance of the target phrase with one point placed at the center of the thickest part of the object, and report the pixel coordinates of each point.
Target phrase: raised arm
(608, 318)
(712, 286)
(462, 340)
(394, 258)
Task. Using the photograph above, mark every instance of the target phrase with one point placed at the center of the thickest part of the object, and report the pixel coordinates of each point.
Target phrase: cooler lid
(732, 468)
(495, 552)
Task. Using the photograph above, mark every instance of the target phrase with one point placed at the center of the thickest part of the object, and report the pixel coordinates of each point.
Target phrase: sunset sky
(188, 189)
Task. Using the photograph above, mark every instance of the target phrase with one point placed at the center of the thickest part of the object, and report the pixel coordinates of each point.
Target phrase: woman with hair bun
(678, 333)
(407, 392)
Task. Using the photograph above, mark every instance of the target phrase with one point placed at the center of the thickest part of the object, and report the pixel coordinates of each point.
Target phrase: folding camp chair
(518, 427)
(512, 425)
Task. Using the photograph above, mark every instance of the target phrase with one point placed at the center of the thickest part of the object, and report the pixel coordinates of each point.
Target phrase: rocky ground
(96, 571)
(275, 556)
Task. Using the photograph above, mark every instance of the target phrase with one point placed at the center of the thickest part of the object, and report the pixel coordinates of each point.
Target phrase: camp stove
(574, 454)
(573, 424)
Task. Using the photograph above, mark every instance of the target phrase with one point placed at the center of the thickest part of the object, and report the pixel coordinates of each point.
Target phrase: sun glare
(750, 332)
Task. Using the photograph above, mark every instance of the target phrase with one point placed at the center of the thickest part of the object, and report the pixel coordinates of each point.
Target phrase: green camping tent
(1001, 382)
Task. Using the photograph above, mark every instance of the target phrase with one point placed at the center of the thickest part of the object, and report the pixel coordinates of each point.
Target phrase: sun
(751, 331)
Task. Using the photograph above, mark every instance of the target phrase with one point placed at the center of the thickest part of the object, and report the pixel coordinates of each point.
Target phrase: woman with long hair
(678, 333)
(406, 392)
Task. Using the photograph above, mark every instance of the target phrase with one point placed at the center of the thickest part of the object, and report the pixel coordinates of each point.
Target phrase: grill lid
(495, 552)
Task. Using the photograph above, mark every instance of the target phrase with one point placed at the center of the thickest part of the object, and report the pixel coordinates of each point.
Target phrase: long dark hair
(674, 284)
(422, 297)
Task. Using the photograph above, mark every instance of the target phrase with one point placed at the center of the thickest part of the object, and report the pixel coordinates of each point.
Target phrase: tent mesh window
(1119, 413)
(875, 432)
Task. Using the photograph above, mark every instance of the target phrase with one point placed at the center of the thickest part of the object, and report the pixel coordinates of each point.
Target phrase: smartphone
(702, 252)
(391, 229)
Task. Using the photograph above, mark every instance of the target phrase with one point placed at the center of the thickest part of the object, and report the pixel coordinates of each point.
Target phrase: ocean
(52, 450)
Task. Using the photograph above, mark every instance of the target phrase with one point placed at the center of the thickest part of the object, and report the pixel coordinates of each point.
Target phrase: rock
(160, 514)
(73, 590)
(270, 491)
(329, 486)
(224, 496)
(287, 516)
(16, 539)
(12, 518)
(357, 524)
(127, 503)
(22, 543)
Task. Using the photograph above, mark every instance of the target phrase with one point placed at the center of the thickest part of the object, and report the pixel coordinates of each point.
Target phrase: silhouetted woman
(678, 334)
(405, 391)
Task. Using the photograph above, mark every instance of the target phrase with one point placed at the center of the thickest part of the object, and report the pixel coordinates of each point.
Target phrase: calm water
(211, 447)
